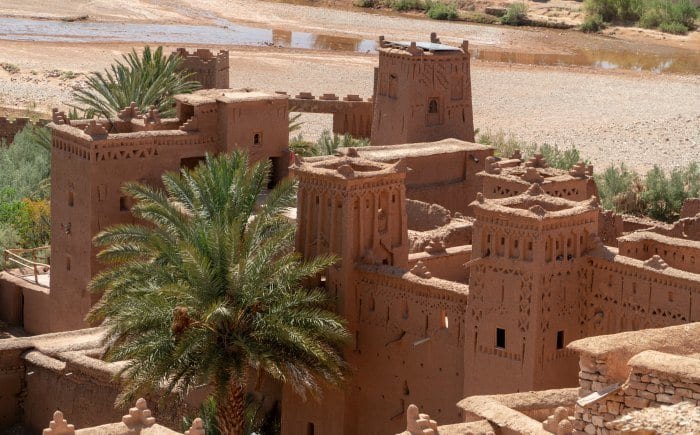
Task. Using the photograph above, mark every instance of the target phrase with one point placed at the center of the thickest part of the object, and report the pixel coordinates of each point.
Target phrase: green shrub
(592, 24)
(672, 16)
(327, 144)
(24, 165)
(365, 3)
(674, 28)
(663, 195)
(516, 14)
(560, 158)
(8, 239)
(656, 195)
(438, 10)
(408, 5)
(9, 67)
(479, 17)
(505, 145)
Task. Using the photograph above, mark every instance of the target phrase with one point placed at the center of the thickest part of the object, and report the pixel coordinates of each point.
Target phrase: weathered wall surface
(9, 128)
(352, 115)
(12, 381)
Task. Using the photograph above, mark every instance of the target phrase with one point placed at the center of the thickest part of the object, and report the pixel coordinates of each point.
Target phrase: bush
(365, 3)
(674, 28)
(560, 158)
(24, 165)
(327, 144)
(672, 16)
(438, 10)
(8, 239)
(516, 14)
(408, 5)
(656, 195)
(593, 24)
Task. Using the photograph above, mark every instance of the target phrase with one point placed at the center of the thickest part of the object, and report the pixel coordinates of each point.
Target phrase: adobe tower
(525, 290)
(422, 93)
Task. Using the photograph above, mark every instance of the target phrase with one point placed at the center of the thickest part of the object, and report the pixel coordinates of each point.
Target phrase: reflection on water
(225, 32)
(679, 62)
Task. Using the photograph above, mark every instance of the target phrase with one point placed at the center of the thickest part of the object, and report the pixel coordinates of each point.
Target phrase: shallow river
(225, 32)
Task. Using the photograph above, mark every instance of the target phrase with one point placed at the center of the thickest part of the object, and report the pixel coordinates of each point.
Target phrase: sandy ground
(641, 119)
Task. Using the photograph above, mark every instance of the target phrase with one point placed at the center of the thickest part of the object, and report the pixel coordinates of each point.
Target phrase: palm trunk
(230, 410)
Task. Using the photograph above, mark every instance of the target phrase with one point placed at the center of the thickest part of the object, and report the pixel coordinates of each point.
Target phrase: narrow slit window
(560, 340)
(500, 338)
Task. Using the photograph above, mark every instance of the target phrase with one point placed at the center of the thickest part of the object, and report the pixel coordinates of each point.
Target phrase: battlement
(10, 127)
(419, 48)
(347, 167)
(211, 70)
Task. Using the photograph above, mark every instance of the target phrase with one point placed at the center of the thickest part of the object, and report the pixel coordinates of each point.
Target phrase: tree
(151, 79)
(212, 291)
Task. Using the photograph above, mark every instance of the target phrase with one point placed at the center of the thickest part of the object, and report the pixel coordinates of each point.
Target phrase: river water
(224, 32)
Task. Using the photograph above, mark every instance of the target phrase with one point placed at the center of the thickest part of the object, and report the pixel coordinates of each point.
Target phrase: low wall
(12, 380)
(447, 264)
(24, 304)
(352, 115)
(631, 371)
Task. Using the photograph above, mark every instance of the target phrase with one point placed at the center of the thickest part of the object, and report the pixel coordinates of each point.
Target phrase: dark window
(500, 338)
(67, 262)
(256, 139)
(433, 106)
(309, 428)
(124, 203)
(560, 339)
(191, 162)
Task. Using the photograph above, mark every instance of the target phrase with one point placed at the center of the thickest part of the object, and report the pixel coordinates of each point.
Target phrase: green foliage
(9, 67)
(408, 5)
(438, 10)
(560, 158)
(365, 3)
(505, 145)
(327, 144)
(257, 420)
(516, 14)
(671, 16)
(674, 28)
(149, 80)
(592, 24)
(479, 17)
(211, 288)
(8, 239)
(25, 164)
(658, 195)
(664, 195)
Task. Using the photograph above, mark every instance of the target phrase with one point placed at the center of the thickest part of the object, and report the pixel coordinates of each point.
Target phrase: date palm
(211, 291)
(149, 79)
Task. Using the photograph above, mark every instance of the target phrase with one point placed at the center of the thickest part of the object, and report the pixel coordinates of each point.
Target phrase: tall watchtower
(526, 279)
(422, 93)
(355, 209)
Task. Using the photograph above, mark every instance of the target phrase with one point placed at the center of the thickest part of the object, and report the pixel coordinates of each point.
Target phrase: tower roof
(534, 203)
(347, 166)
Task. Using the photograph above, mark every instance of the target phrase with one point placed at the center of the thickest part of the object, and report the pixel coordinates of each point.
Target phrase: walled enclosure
(478, 290)
(209, 69)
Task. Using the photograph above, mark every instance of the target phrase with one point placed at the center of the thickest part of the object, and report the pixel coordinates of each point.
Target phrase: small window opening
(124, 203)
(560, 340)
(70, 199)
(500, 338)
(444, 320)
(68, 262)
(433, 106)
(309, 428)
(257, 138)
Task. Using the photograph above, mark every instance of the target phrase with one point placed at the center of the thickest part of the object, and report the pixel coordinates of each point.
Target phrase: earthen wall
(211, 70)
(352, 115)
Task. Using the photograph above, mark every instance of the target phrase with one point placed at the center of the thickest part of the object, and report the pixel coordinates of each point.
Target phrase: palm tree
(211, 291)
(151, 79)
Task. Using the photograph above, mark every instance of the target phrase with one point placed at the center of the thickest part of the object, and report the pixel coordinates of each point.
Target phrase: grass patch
(479, 17)
(9, 67)
(327, 144)
(516, 14)
(671, 16)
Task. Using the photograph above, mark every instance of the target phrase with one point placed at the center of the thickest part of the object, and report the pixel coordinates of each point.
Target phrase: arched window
(432, 106)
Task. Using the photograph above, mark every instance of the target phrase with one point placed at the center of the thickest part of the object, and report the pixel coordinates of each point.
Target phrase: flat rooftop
(207, 96)
(387, 153)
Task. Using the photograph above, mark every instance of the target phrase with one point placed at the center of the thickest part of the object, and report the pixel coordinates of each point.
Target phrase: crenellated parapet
(10, 127)
(210, 69)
